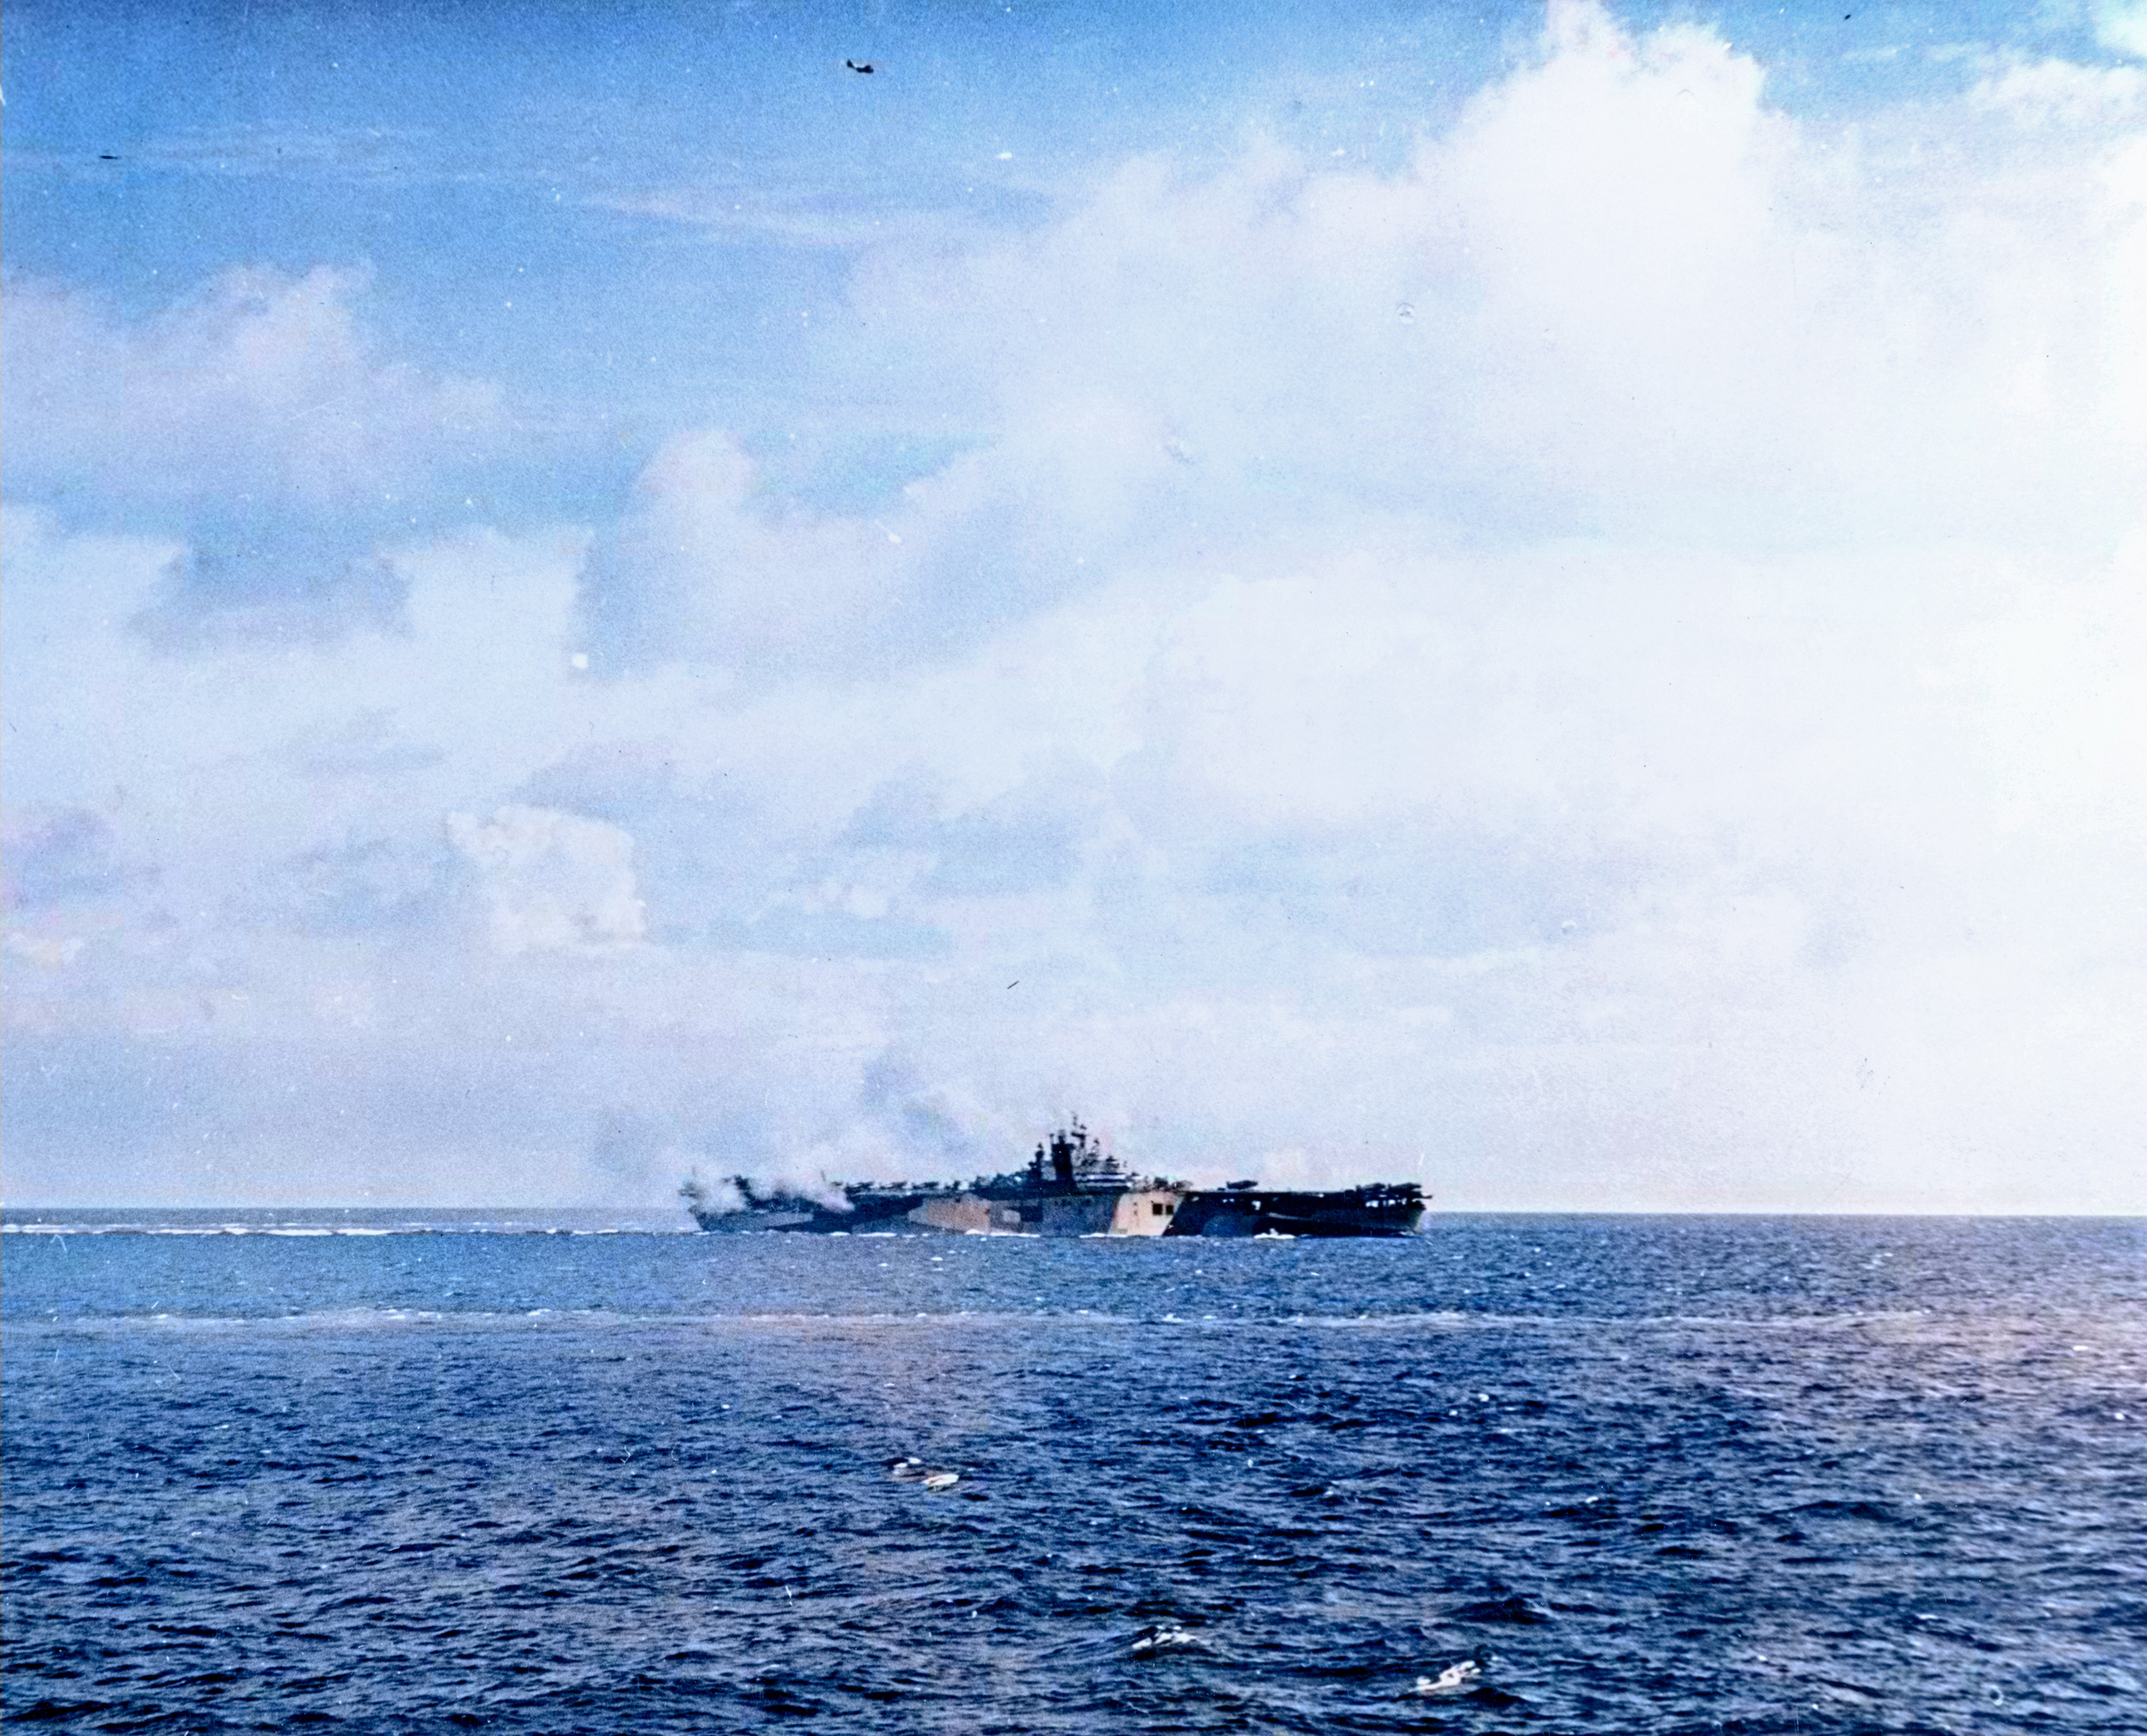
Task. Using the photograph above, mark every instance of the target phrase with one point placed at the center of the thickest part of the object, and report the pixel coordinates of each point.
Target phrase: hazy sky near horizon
(1550, 601)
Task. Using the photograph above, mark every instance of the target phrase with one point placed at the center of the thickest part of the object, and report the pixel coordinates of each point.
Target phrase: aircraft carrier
(1071, 1187)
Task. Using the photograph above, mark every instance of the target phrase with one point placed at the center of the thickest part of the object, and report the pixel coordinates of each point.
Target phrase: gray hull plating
(1071, 1188)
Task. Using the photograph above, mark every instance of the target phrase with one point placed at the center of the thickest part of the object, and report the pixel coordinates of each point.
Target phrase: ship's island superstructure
(1071, 1187)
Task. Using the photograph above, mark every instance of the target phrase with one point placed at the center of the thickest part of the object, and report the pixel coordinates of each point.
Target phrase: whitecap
(1454, 1679)
(1150, 1641)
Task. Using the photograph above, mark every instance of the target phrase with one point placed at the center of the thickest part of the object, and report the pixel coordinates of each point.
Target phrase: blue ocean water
(389, 1471)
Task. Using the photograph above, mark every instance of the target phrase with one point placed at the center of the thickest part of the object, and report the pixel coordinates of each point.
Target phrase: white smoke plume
(720, 1197)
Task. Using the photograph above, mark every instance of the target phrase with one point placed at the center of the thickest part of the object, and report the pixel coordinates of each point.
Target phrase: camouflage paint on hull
(1071, 1188)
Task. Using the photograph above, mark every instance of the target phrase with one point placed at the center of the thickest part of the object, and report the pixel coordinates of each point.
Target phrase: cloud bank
(1597, 664)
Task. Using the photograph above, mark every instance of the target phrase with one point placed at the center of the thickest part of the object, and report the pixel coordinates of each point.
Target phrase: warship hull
(1390, 1210)
(1071, 1188)
(957, 1211)
(1386, 1211)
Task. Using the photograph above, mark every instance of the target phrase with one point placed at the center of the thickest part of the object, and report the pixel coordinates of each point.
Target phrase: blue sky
(1548, 600)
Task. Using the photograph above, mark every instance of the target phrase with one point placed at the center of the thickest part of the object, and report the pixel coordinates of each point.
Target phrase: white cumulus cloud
(1598, 663)
(552, 882)
(262, 384)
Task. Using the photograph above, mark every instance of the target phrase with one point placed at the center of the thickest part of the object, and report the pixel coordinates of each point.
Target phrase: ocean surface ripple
(1556, 1474)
